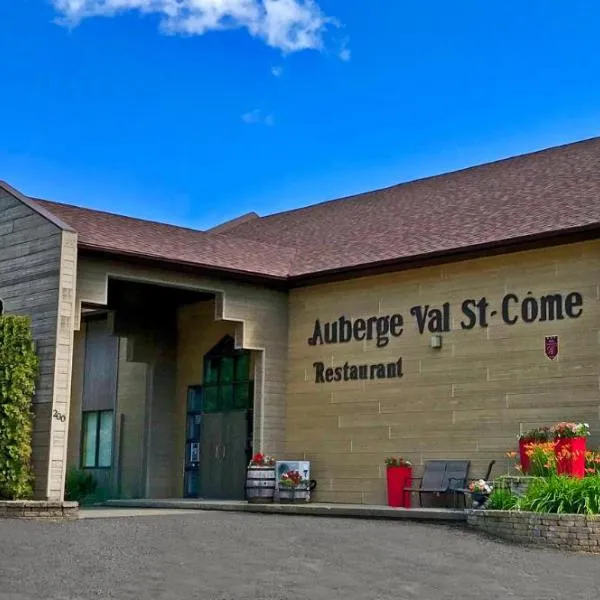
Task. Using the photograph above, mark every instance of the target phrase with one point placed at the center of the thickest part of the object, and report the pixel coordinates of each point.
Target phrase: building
(420, 320)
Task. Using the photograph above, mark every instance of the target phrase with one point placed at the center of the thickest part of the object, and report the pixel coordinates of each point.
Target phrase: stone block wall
(565, 532)
(34, 509)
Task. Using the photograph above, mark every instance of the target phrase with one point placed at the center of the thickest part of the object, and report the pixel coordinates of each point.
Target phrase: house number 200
(59, 416)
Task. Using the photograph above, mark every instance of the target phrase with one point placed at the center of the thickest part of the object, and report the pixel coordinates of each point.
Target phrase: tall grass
(557, 494)
(502, 499)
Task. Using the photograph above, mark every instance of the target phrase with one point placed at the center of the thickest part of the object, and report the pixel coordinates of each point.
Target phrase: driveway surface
(229, 556)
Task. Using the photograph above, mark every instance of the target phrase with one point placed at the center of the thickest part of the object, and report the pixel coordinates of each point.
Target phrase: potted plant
(399, 476)
(260, 479)
(293, 487)
(480, 492)
(538, 435)
(570, 441)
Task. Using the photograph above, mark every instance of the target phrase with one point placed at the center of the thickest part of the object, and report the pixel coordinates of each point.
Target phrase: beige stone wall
(467, 400)
(131, 423)
(59, 430)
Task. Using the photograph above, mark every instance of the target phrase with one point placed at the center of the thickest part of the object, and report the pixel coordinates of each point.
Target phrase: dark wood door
(211, 451)
(234, 461)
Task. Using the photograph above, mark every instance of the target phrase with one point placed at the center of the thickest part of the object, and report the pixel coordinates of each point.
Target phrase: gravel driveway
(229, 556)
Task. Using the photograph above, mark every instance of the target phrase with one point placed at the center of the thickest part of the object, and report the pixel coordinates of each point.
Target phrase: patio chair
(441, 477)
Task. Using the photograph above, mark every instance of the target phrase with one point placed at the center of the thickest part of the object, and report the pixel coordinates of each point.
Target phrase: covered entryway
(163, 400)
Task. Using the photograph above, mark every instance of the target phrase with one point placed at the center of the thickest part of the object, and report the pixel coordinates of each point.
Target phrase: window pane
(212, 371)
(226, 397)
(242, 367)
(241, 398)
(193, 427)
(106, 437)
(88, 450)
(227, 370)
(211, 399)
(194, 399)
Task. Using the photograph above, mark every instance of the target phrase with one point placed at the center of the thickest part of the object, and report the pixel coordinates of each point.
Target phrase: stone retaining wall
(33, 509)
(565, 532)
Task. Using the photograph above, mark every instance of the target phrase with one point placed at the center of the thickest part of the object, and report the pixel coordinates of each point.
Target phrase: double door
(217, 450)
(223, 455)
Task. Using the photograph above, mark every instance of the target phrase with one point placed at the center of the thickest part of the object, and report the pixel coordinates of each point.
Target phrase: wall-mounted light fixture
(436, 341)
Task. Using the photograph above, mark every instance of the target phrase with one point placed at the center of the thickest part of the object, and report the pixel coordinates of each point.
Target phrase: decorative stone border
(37, 509)
(565, 532)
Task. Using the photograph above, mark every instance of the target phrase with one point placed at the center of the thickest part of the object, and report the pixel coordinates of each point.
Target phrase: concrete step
(311, 509)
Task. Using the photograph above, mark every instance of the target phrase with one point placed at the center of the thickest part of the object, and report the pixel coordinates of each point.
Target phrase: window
(227, 384)
(96, 446)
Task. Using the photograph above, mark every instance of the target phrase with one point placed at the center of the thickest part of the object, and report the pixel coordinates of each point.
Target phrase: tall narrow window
(97, 442)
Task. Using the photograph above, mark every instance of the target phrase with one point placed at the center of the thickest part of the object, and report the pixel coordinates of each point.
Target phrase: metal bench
(442, 477)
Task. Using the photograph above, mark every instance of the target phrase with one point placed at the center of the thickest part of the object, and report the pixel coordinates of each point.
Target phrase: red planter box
(570, 456)
(525, 462)
(397, 479)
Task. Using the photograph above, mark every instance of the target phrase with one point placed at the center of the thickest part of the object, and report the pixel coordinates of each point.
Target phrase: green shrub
(18, 371)
(502, 499)
(79, 486)
(557, 494)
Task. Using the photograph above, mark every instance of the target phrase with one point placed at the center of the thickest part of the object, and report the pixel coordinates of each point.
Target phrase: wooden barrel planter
(299, 494)
(260, 484)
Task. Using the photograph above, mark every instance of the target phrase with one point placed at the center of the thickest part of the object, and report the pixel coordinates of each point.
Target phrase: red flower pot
(570, 456)
(397, 479)
(525, 462)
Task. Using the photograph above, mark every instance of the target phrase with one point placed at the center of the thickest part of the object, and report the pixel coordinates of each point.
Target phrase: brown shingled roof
(531, 196)
(537, 194)
(147, 239)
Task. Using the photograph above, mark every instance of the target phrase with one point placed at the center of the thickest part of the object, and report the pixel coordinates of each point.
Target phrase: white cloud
(290, 25)
(257, 116)
(277, 71)
(345, 54)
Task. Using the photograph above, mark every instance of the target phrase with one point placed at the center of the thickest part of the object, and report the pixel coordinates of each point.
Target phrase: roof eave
(519, 244)
(187, 266)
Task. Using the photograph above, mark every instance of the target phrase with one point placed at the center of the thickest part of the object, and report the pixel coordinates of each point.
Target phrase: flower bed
(565, 532)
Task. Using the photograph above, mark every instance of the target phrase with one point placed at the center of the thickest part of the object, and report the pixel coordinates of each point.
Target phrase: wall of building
(146, 404)
(37, 278)
(257, 314)
(132, 388)
(466, 400)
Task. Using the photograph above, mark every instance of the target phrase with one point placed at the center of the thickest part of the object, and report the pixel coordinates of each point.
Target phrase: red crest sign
(551, 346)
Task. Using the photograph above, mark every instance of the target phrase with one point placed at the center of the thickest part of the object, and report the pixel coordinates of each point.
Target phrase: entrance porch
(168, 397)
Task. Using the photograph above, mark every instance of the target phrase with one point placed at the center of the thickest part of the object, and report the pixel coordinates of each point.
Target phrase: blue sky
(196, 115)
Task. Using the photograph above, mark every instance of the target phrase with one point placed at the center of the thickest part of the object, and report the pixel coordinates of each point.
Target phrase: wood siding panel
(30, 253)
(100, 370)
(467, 400)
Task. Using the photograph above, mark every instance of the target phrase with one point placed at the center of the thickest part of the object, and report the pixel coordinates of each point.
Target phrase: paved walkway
(315, 509)
(232, 556)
